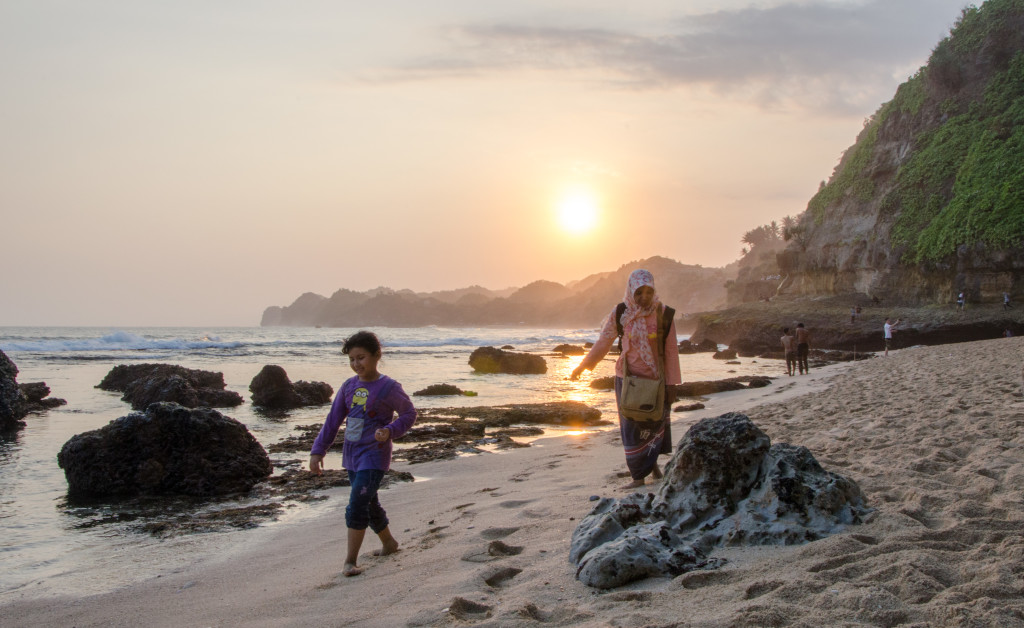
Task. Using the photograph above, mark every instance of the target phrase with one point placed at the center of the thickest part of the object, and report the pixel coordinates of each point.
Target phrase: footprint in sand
(493, 551)
(461, 608)
(516, 503)
(501, 576)
(497, 533)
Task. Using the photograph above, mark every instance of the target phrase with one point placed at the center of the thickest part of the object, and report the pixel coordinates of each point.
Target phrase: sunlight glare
(577, 211)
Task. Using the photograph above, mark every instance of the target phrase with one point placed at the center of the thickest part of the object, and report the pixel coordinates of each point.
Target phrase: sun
(577, 211)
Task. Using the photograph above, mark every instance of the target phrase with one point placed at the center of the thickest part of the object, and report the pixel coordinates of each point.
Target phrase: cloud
(823, 55)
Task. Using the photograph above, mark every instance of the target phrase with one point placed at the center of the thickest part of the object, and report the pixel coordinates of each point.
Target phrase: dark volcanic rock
(491, 360)
(13, 405)
(166, 450)
(37, 399)
(727, 354)
(143, 384)
(439, 390)
(272, 389)
(699, 389)
(570, 413)
(570, 350)
(689, 408)
(603, 383)
(726, 485)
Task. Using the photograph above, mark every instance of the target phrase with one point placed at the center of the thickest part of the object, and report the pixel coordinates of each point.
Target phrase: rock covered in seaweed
(439, 390)
(271, 388)
(726, 485)
(491, 360)
(143, 384)
(167, 450)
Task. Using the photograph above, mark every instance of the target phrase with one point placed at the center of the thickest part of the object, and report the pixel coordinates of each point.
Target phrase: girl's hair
(363, 340)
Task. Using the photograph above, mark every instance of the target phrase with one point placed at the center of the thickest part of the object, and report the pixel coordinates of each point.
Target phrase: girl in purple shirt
(368, 403)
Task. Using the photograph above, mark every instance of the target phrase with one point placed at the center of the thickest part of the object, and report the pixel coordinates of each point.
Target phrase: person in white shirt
(887, 328)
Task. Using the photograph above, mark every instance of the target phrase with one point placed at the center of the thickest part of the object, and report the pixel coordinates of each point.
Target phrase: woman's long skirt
(644, 441)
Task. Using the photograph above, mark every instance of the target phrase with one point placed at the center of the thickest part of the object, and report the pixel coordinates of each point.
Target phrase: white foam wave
(118, 341)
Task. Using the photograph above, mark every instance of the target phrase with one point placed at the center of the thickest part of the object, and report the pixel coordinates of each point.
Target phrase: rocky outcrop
(727, 485)
(567, 413)
(566, 349)
(705, 346)
(702, 388)
(13, 405)
(143, 384)
(272, 389)
(439, 390)
(491, 360)
(726, 354)
(37, 397)
(166, 450)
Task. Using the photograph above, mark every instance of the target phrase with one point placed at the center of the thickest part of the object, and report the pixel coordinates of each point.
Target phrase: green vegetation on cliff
(962, 181)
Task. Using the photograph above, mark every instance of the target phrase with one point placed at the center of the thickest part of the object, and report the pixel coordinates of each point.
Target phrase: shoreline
(938, 452)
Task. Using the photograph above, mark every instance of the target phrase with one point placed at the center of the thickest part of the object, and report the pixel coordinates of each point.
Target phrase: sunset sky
(190, 163)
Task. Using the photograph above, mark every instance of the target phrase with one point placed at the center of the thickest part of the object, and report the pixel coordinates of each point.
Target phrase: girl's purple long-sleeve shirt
(367, 407)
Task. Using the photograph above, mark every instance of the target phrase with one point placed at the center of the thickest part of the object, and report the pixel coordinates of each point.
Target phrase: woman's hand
(382, 435)
(316, 464)
(577, 372)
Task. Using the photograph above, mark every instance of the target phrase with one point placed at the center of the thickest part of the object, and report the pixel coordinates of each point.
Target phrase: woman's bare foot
(388, 548)
(656, 472)
(351, 570)
(633, 484)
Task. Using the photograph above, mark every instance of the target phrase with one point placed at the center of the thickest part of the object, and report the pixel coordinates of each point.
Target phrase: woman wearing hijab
(643, 441)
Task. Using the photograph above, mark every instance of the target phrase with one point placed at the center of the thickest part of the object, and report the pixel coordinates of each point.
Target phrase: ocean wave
(117, 341)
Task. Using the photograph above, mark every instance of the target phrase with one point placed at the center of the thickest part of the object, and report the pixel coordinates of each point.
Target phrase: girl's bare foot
(351, 570)
(633, 484)
(388, 548)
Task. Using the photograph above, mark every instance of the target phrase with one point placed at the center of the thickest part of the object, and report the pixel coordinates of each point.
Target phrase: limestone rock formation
(143, 384)
(166, 450)
(272, 389)
(491, 360)
(726, 485)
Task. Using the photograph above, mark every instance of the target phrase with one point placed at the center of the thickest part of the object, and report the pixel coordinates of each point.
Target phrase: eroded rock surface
(12, 400)
(272, 389)
(143, 384)
(491, 360)
(726, 485)
(167, 450)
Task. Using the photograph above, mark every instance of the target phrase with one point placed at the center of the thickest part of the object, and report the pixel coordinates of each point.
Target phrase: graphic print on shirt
(356, 415)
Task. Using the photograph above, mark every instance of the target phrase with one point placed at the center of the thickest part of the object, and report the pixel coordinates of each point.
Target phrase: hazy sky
(191, 162)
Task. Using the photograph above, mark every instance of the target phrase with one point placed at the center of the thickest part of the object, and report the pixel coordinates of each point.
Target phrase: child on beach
(887, 332)
(368, 401)
(789, 346)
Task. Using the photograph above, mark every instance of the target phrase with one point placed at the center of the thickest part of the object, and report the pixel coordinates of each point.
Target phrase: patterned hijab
(636, 335)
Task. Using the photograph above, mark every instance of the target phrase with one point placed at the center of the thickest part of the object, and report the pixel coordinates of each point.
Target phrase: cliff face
(583, 303)
(930, 199)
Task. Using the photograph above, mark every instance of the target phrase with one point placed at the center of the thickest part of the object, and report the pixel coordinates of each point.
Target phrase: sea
(51, 547)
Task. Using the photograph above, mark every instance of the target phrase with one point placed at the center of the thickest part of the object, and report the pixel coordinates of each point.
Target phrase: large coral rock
(726, 485)
(37, 397)
(271, 388)
(166, 450)
(491, 360)
(13, 405)
(144, 384)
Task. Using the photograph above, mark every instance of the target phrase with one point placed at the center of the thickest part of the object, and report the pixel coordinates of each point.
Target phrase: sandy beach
(933, 436)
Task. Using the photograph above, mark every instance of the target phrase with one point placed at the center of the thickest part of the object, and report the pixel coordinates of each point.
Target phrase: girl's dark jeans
(364, 508)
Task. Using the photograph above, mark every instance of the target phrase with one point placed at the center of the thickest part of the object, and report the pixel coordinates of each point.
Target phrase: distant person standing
(853, 315)
(960, 302)
(887, 332)
(1006, 300)
(789, 346)
(803, 348)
